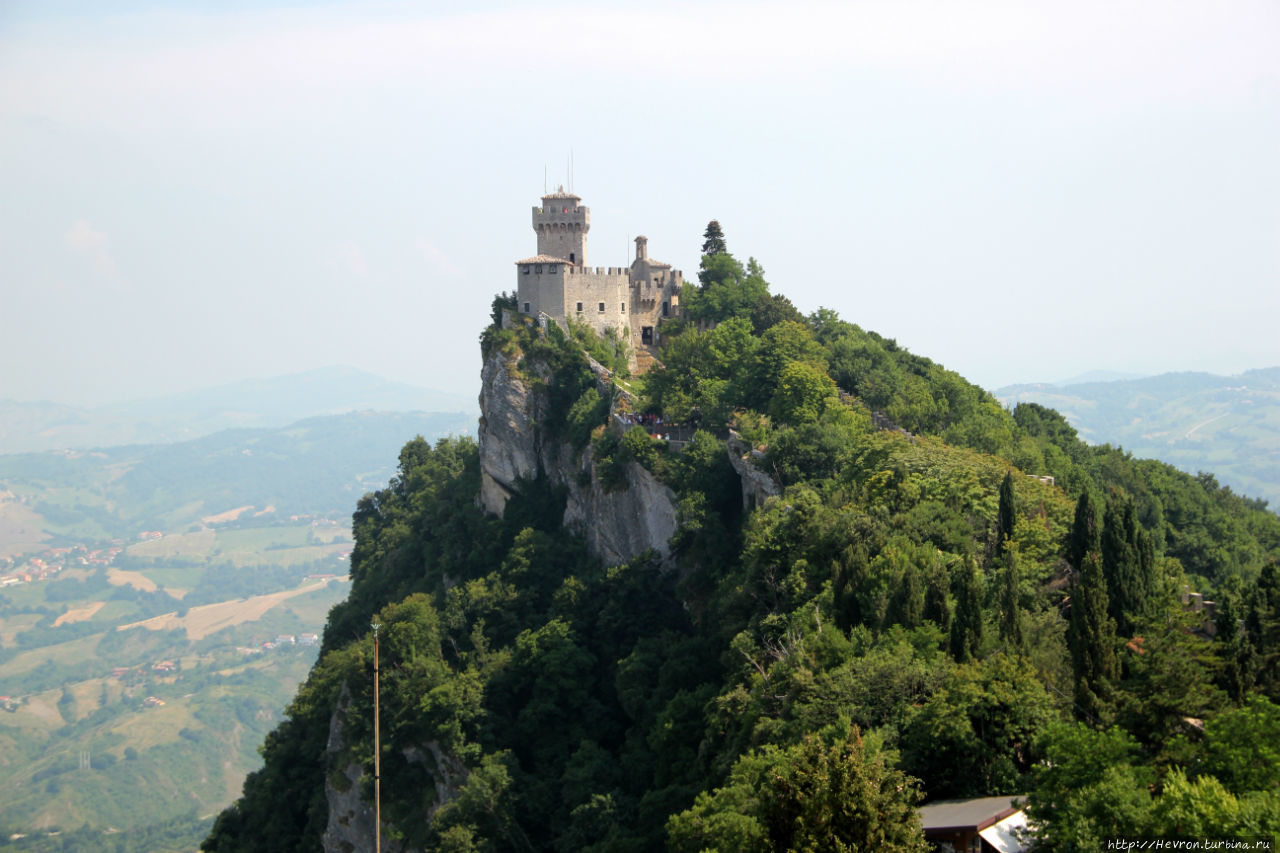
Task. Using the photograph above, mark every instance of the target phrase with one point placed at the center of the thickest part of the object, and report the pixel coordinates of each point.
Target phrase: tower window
(572, 259)
(579, 307)
(524, 269)
(538, 269)
(551, 268)
(601, 307)
(624, 308)
(526, 308)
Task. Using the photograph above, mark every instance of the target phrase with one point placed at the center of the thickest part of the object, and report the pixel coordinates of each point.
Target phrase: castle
(558, 284)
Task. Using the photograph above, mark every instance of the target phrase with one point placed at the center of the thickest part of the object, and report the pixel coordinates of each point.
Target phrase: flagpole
(377, 752)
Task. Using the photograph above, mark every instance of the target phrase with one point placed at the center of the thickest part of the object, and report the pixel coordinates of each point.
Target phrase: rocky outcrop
(509, 409)
(757, 486)
(350, 825)
(618, 525)
(351, 819)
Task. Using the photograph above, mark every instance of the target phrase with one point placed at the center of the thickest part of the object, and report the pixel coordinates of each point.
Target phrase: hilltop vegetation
(915, 616)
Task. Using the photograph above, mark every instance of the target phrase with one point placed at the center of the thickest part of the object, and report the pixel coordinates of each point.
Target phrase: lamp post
(377, 751)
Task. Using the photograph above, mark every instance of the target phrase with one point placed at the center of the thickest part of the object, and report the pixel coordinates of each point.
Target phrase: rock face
(350, 826)
(757, 486)
(351, 819)
(617, 525)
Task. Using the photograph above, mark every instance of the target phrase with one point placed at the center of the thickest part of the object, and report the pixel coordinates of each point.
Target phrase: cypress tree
(1085, 537)
(1128, 564)
(936, 607)
(1091, 637)
(852, 577)
(909, 603)
(966, 629)
(1236, 674)
(1006, 517)
(1263, 624)
(1010, 612)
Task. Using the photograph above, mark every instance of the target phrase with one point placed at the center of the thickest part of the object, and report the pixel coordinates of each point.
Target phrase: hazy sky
(200, 192)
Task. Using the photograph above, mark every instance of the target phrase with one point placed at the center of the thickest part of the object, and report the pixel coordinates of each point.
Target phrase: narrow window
(579, 307)
(601, 307)
(526, 308)
(538, 269)
(624, 308)
(525, 269)
(551, 268)
(664, 309)
(572, 259)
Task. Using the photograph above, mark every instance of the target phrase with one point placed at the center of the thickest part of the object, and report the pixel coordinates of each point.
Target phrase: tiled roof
(543, 259)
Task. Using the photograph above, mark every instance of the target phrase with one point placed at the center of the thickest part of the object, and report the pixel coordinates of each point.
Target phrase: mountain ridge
(266, 402)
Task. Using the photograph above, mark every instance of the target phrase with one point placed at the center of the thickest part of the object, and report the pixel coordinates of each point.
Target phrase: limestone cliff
(617, 525)
(351, 818)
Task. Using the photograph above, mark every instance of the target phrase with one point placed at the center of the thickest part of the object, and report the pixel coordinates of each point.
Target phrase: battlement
(576, 216)
(597, 271)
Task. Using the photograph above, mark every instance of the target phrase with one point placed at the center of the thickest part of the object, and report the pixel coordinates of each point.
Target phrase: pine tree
(1006, 517)
(1091, 637)
(713, 239)
(966, 629)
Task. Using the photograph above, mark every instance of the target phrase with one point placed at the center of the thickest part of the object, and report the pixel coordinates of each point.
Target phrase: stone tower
(562, 224)
(556, 284)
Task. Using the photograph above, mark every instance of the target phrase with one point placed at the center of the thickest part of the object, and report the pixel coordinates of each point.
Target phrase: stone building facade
(557, 283)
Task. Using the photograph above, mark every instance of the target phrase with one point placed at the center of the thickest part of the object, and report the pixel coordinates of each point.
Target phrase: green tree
(1006, 515)
(975, 735)
(966, 628)
(713, 239)
(803, 392)
(1091, 637)
(1085, 788)
(1086, 533)
(1263, 623)
(1010, 601)
(937, 607)
(1242, 746)
(816, 795)
(1128, 564)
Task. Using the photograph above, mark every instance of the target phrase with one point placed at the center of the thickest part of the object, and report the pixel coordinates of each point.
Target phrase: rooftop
(977, 813)
(543, 259)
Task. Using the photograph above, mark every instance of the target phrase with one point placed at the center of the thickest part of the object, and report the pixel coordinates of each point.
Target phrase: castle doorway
(646, 335)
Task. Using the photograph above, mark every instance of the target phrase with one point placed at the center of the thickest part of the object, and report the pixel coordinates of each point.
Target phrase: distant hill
(274, 402)
(140, 672)
(1229, 425)
(317, 465)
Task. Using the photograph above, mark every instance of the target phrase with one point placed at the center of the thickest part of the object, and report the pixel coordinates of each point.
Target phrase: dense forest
(947, 599)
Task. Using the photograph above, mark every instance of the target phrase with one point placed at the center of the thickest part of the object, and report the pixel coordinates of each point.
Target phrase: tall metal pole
(377, 752)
